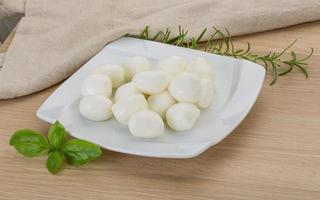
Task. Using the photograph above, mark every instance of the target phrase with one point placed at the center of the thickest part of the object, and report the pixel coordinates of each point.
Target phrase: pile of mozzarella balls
(143, 98)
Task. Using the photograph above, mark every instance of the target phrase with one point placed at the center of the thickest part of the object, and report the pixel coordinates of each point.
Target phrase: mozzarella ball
(114, 72)
(151, 82)
(207, 93)
(161, 102)
(185, 87)
(124, 108)
(146, 124)
(182, 116)
(200, 67)
(135, 65)
(95, 107)
(126, 90)
(97, 84)
(173, 65)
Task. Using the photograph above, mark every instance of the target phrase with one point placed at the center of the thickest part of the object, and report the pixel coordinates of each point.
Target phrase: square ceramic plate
(238, 83)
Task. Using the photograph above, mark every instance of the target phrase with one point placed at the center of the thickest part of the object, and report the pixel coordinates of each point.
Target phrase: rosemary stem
(220, 43)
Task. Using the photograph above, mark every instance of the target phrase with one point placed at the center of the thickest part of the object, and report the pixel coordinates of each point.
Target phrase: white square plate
(238, 83)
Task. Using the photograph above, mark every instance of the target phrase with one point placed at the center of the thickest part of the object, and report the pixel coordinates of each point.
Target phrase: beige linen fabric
(9, 7)
(56, 37)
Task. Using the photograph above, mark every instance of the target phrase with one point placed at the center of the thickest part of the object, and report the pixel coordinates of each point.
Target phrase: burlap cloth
(56, 37)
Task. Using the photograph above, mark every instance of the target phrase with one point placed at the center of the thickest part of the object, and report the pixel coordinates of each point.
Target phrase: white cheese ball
(146, 124)
(185, 87)
(126, 90)
(96, 107)
(173, 65)
(207, 93)
(135, 65)
(182, 116)
(97, 84)
(114, 72)
(161, 102)
(124, 108)
(151, 82)
(200, 67)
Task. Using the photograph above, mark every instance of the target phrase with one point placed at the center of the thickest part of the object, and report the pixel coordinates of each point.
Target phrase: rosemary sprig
(220, 43)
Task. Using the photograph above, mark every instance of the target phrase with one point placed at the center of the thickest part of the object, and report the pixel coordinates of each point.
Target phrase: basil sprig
(31, 143)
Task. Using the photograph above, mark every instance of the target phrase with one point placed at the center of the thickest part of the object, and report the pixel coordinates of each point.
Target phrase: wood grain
(273, 154)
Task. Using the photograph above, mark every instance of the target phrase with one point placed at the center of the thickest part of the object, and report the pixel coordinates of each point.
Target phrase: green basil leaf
(54, 161)
(79, 152)
(57, 135)
(29, 143)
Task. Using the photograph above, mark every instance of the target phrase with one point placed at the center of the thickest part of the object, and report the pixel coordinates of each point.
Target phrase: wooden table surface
(273, 154)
